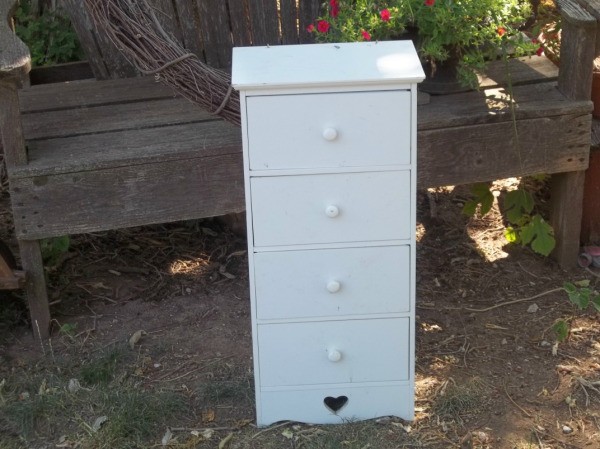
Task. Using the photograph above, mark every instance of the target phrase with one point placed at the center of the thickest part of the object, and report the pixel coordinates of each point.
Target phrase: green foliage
(517, 203)
(539, 235)
(470, 32)
(482, 196)
(102, 370)
(53, 248)
(50, 37)
(561, 328)
(582, 295)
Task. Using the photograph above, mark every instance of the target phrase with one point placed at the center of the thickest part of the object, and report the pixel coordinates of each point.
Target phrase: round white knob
(333, 286)
(330, 134)
(334, 355)
(332, 211)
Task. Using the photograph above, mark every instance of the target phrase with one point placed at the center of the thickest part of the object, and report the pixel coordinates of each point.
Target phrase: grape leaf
(481, 195)
(517, 203)
(539, 234)
(562, 330)
(596, 302)
(511, 235)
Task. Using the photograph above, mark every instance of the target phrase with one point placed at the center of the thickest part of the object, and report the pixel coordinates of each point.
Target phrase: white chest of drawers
(329, 135)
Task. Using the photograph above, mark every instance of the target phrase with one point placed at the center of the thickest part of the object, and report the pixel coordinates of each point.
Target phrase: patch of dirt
(486, 373)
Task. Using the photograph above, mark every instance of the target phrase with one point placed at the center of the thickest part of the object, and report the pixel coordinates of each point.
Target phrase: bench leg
(567, 205)
(35, 287)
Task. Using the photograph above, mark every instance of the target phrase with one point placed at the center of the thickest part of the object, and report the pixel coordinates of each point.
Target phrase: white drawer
(329, 130)
(308, 405)
(332, 352)
(332, 282)
(346, 207)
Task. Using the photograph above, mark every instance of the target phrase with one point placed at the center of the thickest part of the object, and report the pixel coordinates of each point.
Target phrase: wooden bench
(97, 155)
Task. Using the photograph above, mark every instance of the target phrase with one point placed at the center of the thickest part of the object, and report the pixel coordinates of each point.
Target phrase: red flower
(310, 28)
(501, 31)
(365, 34)
(385, 15)
(429, 2)
(335, 8)
(323, 26)
(540, 51)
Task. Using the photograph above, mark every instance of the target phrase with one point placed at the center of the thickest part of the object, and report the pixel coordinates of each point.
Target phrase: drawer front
(331, 352)
(329, 130)
(314, 405)
(347, 207)
(332, 282)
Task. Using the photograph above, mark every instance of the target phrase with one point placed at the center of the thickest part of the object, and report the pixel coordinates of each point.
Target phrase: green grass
(136, 416)
(102, 370)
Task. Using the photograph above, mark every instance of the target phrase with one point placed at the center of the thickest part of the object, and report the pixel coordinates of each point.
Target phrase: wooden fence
(209, 28)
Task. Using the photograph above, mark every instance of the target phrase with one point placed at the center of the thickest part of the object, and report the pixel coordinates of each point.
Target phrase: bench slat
(130, 147)
(103, 119)
(79, 94)
(128, 196)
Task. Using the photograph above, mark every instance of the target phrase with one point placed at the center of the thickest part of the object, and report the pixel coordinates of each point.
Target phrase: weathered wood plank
(105, 58)
(35, 287)
(166, 15)
(240, 22)
(491, 106)
(102, 119)
(215, 30)
(264, 22)
(11, 131)
(308, 11)
(88, 93)
(132, 147)
(190, 23)
(593, 7)
(578, 47)
(127, 196)
(469, 154)
(82, 25)
(524, 70)
(567, 198)
(288, 13)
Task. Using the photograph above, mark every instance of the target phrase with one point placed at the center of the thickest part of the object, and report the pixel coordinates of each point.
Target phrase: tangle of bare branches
(135, 30)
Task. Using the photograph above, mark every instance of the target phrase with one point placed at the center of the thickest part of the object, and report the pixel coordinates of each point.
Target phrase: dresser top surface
(354, 63)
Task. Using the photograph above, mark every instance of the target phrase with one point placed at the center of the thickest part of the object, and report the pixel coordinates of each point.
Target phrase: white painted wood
(351, 64)
(302, 284)
(340, 130)
(298, 353)
(294, 209)
(364, 402)
(329, 136)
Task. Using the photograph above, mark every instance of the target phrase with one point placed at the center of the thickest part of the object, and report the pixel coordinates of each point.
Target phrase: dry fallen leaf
(225, 441)
(135, 338)
(99, 422)
(208, 415)
(167, 438)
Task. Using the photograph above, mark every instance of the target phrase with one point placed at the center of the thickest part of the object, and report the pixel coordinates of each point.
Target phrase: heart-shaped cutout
(335, 404)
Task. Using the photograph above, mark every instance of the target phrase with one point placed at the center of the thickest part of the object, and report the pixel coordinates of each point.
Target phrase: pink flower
(365, 34)
(501, 31)
(323, 26)
(335, 8)
(310, 28)
(429, 2)
(385, 15)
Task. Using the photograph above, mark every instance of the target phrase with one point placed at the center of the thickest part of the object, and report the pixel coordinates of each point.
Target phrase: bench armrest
(15, 60)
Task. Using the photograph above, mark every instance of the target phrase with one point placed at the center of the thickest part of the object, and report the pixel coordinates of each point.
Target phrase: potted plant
(454, 38)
